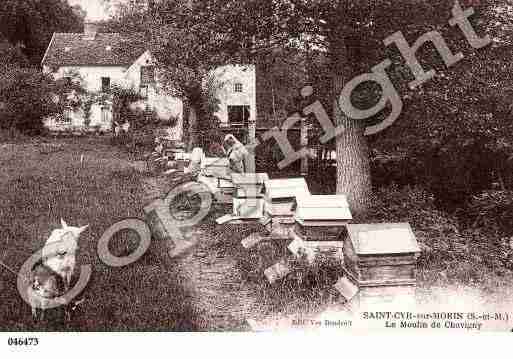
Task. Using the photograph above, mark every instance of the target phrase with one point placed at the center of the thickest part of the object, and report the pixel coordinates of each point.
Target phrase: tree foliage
(31, 23)
(13, 55)
(326, 43)
(27, 96)
(19, 87)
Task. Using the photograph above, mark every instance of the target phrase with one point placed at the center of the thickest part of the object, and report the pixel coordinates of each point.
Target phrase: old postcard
(328, 166)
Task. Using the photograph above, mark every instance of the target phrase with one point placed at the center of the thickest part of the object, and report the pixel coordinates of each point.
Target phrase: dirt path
(221, 299)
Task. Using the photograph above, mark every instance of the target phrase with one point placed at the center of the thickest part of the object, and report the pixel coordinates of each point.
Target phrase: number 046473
(22, 341)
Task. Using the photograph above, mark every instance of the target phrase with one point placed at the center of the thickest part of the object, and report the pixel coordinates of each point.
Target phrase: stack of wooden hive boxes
(320, 222)
(280, 198)
(216, 176)
(380, 264)
(248, 199)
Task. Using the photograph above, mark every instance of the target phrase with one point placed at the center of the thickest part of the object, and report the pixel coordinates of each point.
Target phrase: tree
(126, 16)
(351, 34)
(185, 45)
(10, 54)
(192, 37)
(31, 23)
(46, 96)
(19, 87)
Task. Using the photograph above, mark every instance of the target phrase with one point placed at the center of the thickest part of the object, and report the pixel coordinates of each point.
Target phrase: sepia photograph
(255, 166)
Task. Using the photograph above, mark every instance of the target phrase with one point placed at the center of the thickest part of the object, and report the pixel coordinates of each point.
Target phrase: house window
(65, 119)
(147, 75)
(143, 91)
(237, 87)
(105, 114)
(238, 115)
(67, 80)
(105, 84)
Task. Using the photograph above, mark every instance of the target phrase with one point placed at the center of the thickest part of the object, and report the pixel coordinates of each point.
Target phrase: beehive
(320, 225)
(280, 196)
(216, 167)
(380, 259)
(248, 200)
(321, 217)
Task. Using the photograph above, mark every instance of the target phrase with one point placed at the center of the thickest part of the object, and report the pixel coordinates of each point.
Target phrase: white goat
(59, 252)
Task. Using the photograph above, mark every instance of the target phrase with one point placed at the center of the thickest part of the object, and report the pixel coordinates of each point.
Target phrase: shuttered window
(105, 84)
(147, 75)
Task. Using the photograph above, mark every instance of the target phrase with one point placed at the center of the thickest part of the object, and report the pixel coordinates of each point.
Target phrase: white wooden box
(280, 196)
(216, 167)
(248, 184)
(321, 217)
(383, 254)
(248, 207)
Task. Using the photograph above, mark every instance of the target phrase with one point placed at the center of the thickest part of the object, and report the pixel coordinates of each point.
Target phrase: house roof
(106, 49)
(382, 238)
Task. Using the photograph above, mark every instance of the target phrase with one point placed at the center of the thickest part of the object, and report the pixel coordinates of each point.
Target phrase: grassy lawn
(218, 286)
(42, 182)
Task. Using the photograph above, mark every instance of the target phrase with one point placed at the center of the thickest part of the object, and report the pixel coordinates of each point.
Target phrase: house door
(238, 115)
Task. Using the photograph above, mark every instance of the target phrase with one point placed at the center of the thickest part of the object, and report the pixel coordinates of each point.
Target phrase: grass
(304, 290)
(87, 181)
(44, 181)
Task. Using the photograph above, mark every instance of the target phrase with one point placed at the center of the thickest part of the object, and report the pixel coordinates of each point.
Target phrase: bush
(491, 210)
(121, 100)
(457, 170)
(451, 253)
(12, 135)
(25, 99)
(394, 168)
(10, 54)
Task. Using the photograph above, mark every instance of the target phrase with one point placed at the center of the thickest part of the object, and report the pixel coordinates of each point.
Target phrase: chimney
(90, 30)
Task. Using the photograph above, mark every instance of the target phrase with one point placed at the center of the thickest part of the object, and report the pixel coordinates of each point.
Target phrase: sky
(94, 8)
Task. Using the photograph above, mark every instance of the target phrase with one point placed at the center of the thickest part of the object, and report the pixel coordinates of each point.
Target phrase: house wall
(229, 75)
(77, 120)
(159, 100)
(92, 75)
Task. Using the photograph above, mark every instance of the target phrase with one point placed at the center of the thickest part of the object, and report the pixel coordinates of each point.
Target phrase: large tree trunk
(353, 169)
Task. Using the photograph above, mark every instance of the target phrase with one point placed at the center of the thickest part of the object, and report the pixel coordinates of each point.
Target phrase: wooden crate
(333, 249)
(248, 207)
(248, 201)
(249, 182)
(280, 197)
(321, 217)
(216, 167)
(319, 233)
(362, 296)
(381, 254)
(400, 296)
